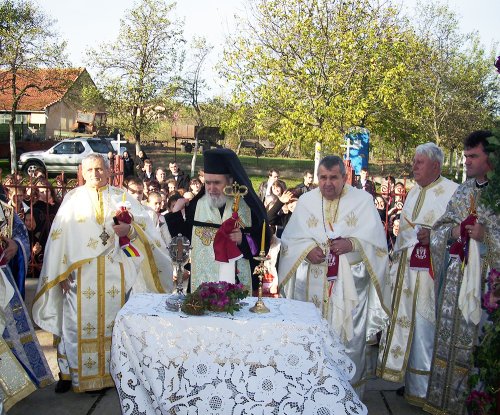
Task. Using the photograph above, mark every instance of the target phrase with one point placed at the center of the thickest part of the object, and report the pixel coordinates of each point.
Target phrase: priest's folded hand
(424, 235)
(10, 250)
(236, 236)
(316, 256)
(122, 229)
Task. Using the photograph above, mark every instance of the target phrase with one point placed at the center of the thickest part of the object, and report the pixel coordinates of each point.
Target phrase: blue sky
(89, 23)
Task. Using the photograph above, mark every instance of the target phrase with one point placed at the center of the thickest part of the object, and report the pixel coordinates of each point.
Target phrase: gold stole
(100, 297)
(14, 382)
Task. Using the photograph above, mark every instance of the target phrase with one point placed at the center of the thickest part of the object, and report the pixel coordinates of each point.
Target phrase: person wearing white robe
(338, 219)
(406, 346)
(89, 271)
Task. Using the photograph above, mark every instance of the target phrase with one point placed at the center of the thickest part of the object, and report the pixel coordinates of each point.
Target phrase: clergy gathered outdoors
(422, 305)
(214, 256)
(460, 269)
(406, 345)
(102, 246)
(334, 254)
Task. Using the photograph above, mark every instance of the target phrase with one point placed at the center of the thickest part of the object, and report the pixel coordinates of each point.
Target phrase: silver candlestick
(178, 248)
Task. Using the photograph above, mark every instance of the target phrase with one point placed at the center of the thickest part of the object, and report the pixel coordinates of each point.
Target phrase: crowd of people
(371, 259)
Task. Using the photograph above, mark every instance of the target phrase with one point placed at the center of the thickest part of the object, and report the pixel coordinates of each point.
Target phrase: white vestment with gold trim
(354, 308)
(204, 268)
(406, 345)
(83, 249)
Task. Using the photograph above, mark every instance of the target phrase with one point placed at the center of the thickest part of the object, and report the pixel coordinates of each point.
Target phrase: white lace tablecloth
(285, 362)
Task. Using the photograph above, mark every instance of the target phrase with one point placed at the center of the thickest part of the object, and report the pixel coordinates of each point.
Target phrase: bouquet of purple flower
(215, 296)
(484, 382)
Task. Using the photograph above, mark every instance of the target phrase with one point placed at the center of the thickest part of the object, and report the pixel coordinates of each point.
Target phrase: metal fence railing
(37, 199)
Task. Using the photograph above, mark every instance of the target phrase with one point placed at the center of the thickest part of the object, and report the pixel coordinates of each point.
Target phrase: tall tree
(28, 42)
(443, 87)
(314, 66)
(138, 69)
(192, 85)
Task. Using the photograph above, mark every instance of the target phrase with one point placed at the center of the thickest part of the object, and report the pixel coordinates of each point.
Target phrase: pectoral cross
(104, 236)
(237, 191)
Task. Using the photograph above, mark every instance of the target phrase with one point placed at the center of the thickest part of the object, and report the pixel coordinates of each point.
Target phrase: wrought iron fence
(37, 199)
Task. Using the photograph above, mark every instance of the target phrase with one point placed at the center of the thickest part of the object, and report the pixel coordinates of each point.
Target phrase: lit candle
(263, 237)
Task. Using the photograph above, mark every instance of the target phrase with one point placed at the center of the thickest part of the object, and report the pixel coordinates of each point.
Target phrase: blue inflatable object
(358, 143)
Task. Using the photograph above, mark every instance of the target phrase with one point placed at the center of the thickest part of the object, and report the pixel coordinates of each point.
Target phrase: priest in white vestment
(92, 262)
(211, 211)
(405, 352)
(334, 254)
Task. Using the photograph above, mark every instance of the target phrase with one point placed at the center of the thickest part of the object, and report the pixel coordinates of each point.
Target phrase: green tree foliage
(28, 42)
(314, 66)
(312, 69)
(137, 71)
(443, 87)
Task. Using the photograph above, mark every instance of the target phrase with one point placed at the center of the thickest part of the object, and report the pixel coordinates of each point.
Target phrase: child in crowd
(154, 203)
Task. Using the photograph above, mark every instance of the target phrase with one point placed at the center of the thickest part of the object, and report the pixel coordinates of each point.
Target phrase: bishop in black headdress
(213, 207)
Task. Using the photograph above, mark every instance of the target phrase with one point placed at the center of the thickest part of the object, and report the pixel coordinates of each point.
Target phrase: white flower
(318, 408)
(216, 400)
(200, 370)
(267, 385)
(293, 360)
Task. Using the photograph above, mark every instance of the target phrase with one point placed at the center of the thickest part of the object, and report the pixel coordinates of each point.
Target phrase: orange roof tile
(49, 86)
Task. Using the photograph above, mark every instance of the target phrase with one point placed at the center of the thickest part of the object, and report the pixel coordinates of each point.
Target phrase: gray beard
(216, 201)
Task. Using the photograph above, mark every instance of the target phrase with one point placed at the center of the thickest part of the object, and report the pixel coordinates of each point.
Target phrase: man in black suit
(365, 183)
(181, 179)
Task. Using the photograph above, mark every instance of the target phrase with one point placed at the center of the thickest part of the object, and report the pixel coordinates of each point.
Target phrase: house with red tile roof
(51, 104)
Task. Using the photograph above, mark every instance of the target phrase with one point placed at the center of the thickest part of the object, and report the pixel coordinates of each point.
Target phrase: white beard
(216, 201)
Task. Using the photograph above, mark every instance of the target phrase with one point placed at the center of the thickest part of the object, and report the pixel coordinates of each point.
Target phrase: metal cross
(237, 191)
(104, 236)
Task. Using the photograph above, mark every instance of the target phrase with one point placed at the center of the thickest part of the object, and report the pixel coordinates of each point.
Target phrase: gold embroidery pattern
(110, 326)
(312, 222)
(64, 260)
(430, 217)
(89, 328)
(142, 224)
(45, 280)
(158, 243)
(439, 190)
(403, 322)
(92, 243)
(397, 352)
(407, 292)
(380, 252)
(56, 234)
(351, 220)
(110, 259)
(206, 235)
(315, 301)
(81, 218)
(113, 292)
(316, 272)
(88, 293)
(90, 363)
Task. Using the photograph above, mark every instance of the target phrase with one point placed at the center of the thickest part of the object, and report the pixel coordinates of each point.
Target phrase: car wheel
(30, 167)
(188, 148)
